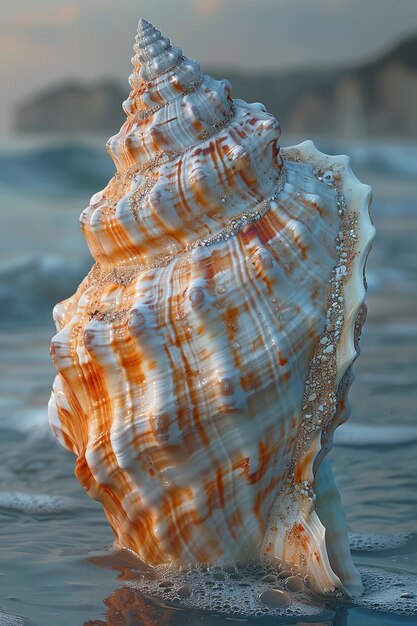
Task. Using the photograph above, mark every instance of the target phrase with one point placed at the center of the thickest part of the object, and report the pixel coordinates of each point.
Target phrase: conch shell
(204, 362)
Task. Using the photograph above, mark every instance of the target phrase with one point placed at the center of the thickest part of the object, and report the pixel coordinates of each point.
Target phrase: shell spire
(154, 52)
(179, 123)
(160, 71)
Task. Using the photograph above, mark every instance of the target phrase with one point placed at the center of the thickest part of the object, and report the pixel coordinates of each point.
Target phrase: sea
(56, 562)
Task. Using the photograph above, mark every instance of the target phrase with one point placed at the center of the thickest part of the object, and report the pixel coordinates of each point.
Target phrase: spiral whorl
(154, 53)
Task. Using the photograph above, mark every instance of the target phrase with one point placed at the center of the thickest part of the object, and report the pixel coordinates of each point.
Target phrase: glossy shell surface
(204, 362)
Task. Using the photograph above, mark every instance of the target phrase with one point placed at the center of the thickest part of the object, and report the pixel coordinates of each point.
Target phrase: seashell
(204, 362)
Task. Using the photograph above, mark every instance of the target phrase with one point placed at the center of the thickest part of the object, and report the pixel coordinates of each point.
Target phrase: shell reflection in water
(204, 362)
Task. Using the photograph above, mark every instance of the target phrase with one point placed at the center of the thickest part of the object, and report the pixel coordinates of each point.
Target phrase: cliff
(378, 98)
(72, 107)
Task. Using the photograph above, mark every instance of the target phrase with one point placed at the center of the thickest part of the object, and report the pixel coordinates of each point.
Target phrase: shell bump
(204, 362)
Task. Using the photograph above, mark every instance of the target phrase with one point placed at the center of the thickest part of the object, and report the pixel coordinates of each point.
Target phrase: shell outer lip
(356, 199)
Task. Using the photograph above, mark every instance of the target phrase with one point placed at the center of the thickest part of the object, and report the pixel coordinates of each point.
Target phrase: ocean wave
(363, 436)
(31, 286)
(394, 279)
(373, 542)
(392, 158)
(35, 504)
(51, 168)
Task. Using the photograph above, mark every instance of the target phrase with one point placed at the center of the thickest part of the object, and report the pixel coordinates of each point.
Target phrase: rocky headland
(376, 98)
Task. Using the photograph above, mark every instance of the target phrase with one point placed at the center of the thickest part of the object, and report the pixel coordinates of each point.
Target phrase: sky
(43, 42)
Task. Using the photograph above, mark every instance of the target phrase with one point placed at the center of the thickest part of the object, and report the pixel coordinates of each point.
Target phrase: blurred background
(340, 72)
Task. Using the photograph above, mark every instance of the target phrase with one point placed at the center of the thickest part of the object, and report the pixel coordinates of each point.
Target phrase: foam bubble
(245, 590)
(362, 542)
(255, 589)
(35, 504)
(275, 598)
(388, 591)
(6, 619)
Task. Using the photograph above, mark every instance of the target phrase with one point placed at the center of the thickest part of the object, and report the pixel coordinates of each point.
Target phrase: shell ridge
(192, 88)
(215, 364)
(98, 457)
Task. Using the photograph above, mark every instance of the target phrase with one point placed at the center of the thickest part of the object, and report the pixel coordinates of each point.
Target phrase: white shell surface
(204, 362)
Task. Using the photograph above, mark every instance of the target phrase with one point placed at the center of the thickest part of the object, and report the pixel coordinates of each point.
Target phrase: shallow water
(53, 538)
